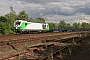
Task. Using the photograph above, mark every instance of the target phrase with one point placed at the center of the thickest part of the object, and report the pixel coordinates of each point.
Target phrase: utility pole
(11, 9)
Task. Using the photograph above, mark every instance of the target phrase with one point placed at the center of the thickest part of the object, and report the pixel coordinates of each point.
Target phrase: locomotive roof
(29, 21)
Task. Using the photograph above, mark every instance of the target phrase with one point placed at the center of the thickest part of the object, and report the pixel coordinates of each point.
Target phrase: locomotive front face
(17, 25)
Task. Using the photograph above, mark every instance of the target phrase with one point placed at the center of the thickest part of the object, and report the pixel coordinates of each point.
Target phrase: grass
(52, 54)
(6, 50)
(73, 42)
(19, 56)
(70, 51)
(26, 46)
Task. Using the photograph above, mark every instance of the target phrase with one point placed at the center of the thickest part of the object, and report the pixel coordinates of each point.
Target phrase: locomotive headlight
(16, 27)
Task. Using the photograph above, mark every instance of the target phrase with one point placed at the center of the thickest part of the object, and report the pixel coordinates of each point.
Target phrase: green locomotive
(21, 26)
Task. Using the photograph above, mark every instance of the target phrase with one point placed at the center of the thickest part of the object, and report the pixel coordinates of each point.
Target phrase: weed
(85, 35)
(73, 42)
(26, 46)
(80, 35)
(19, 56)
(46, 44)
(51, 54)
(6, 49)
(60, 52)
(70, 51)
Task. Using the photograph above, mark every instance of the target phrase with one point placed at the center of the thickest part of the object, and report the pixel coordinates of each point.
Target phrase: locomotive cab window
(44, 26)
(17, 23)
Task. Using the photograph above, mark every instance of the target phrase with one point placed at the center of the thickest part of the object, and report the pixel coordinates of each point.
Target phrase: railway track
(25, 36)
(17, 44)
(42, 38)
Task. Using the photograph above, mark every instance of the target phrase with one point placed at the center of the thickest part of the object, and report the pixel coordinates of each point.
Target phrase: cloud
(19, 2)
(81, 21)
(1, 4)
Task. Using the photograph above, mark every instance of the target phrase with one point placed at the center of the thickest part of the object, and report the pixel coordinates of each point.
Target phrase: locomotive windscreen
(44, 26)
(17, 23)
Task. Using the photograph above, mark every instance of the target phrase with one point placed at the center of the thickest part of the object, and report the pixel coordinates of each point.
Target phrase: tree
(85, 25)
(68, 27)
(31, 20)
(76, 26)
(11, 17)
(3, 19)
(3, 25)
(41, 20)
(62, 25)
(4, 28)
(22, 16)
(52, 26)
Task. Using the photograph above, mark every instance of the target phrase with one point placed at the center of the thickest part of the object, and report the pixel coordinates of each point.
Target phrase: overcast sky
(52, 10)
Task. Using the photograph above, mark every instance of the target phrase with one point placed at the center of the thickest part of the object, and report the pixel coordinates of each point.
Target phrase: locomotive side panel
(34, 26)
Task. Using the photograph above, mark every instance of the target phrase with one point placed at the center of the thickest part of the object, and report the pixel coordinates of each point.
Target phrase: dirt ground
(81, 52)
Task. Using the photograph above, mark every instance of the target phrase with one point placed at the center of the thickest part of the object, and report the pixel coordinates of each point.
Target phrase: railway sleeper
(11, 46)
